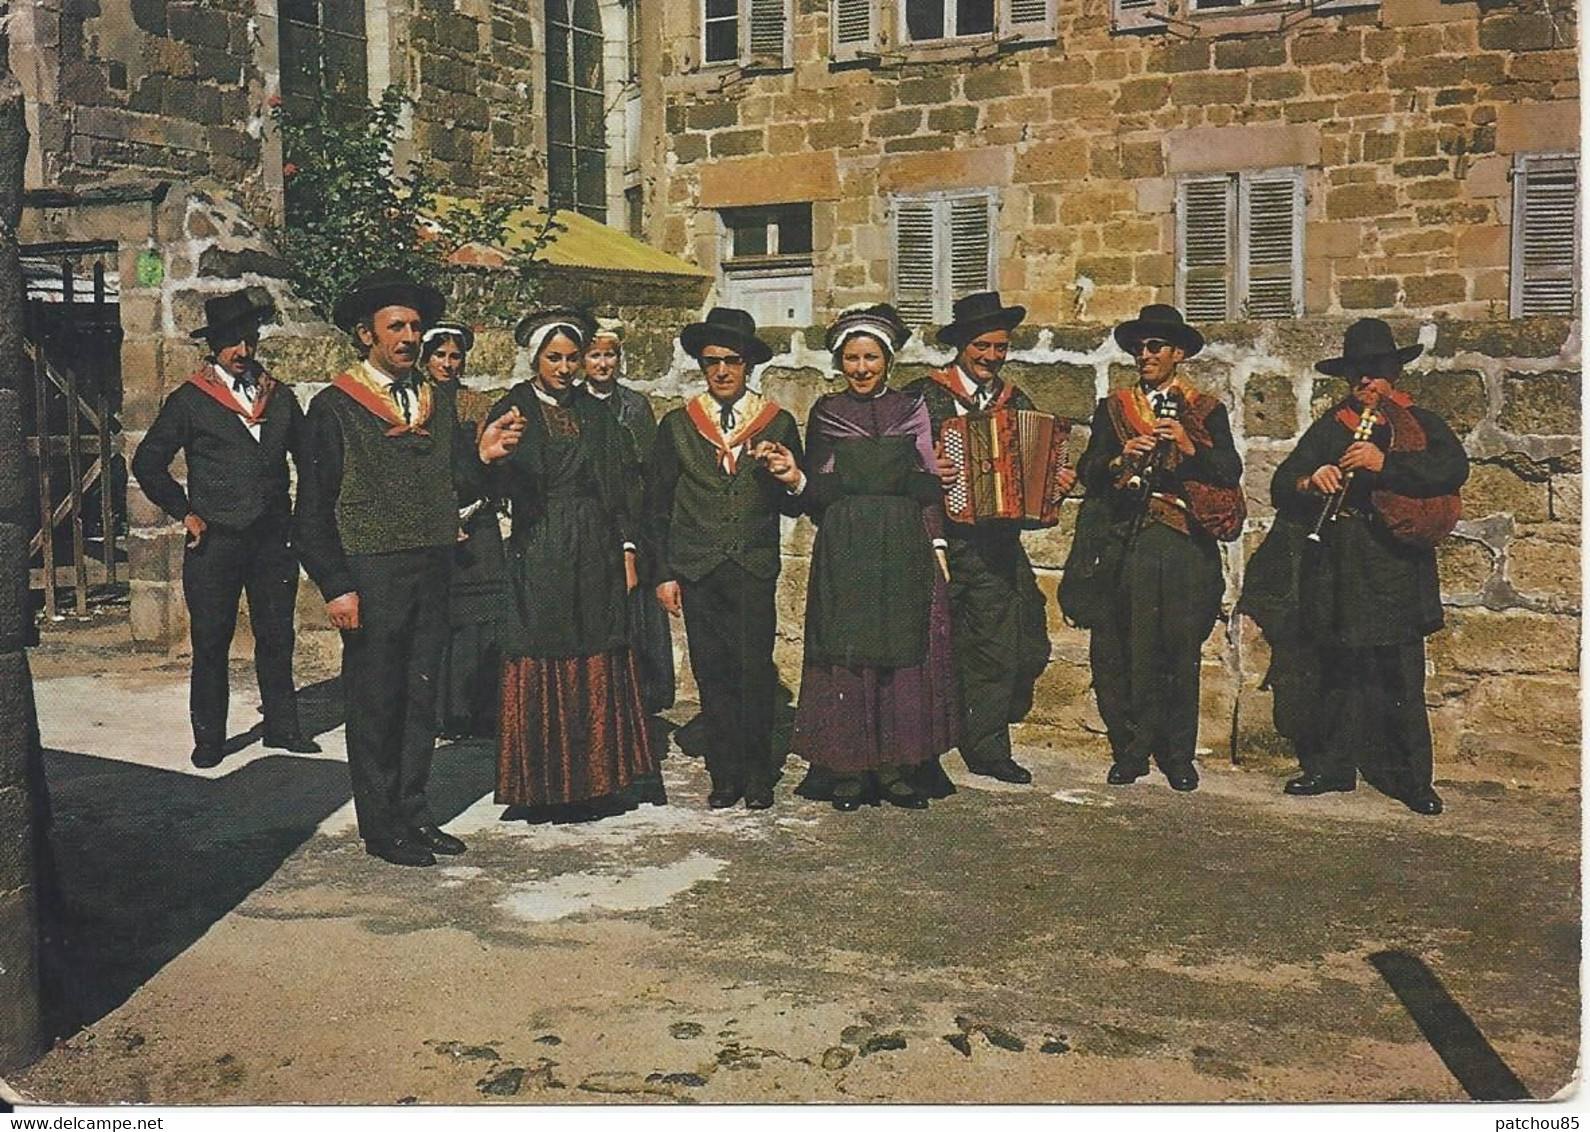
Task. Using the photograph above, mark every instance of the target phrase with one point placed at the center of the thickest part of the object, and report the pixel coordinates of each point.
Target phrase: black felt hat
(228, 315)
(387, 288)
(1159, 320)
(978, 313)
(1367, 343)
(726, 326)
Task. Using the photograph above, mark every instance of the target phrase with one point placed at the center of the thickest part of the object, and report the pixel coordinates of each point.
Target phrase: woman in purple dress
(879, 701)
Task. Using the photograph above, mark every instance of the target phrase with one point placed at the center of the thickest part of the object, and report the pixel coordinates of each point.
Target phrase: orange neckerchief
(951, 381)
(210, 384)
(360, 384)
(756, 413)
(1138, 413)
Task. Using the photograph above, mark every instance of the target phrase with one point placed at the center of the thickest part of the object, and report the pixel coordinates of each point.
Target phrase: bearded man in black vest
(713, 510)
(236, 426)
(377, 519)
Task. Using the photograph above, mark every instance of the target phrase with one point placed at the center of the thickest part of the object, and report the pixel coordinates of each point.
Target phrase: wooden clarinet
(1333, 505)
(1141, 482)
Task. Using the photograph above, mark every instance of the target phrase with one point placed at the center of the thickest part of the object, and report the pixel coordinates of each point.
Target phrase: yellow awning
(583, 242)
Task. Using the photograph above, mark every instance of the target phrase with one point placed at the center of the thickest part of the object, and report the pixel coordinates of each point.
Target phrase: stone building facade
(1331, 159)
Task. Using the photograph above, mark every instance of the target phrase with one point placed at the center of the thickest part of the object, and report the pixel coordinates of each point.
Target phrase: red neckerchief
(380, 406)
(950, 380)
(713, 434)
(208, 382)
(1347, 412)
(1396, 410)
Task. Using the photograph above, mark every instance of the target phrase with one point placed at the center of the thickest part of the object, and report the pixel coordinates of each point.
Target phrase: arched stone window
(576, 123)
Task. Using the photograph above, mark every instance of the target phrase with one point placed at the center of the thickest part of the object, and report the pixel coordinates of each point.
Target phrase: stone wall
(145, 90)
(1504, 688)
(1404, 117)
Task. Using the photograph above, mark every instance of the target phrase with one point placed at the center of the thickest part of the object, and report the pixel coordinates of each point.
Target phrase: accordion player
(1008, 464)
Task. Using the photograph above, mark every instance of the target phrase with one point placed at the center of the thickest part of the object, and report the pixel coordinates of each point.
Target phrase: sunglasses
(731, 360)
(1153, 345)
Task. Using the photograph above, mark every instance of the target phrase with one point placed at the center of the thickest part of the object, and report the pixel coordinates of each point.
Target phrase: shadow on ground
(149, 859)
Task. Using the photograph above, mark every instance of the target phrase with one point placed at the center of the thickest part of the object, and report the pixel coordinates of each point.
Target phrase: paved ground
(1062, 942)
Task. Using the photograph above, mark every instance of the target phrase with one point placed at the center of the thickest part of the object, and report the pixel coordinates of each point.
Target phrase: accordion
(1008, 465)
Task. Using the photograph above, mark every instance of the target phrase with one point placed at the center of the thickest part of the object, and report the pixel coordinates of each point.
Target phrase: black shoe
(759, 798)
(847, 793)
(206, 755)
(722, 797)
(1008, 771)
(1424, 801)
(1183, 778)
(297, 742)
(1309, 784)
(1122, 775)
(400, 852)
(436, 840)
(899, 793)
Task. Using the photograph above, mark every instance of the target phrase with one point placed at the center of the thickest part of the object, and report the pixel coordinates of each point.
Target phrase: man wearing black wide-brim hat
(377, 520)
(1163, 486)
(997, 617)
(236, 426)
(713, 508)
(1376, 480)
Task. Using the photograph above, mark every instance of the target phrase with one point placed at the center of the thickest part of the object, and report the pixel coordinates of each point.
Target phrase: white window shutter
(1203, 234)
(1545, 236)
(1027, 19)
(1139, 15)
(971, 245)
(915, 259)
(855, 28)
(1271, 223)
(767, 33)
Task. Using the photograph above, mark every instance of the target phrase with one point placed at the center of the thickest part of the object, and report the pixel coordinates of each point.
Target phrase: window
(941, 19)
(576, 124)
(1156, 15)
(943, 247)
(323, 56)
(1239, 245)
(1545, 275)
(767, 262)
(750, 33)
(632, 34)
(924, 20)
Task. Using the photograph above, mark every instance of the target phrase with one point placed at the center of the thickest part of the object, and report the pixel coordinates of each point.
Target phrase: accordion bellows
(1009, 463)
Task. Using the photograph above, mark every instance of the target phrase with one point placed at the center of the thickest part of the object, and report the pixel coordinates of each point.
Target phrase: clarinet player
(1376, 477)
(1150, 444)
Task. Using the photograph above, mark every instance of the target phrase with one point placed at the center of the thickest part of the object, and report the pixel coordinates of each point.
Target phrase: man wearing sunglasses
(1158, 449)
(712, 510)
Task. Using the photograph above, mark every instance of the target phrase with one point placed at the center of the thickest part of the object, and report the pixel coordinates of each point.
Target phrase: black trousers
(1145, 658)
(215, 574)
(729, 623)
(389, 672)
(1001, 640)
(1374, 717)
